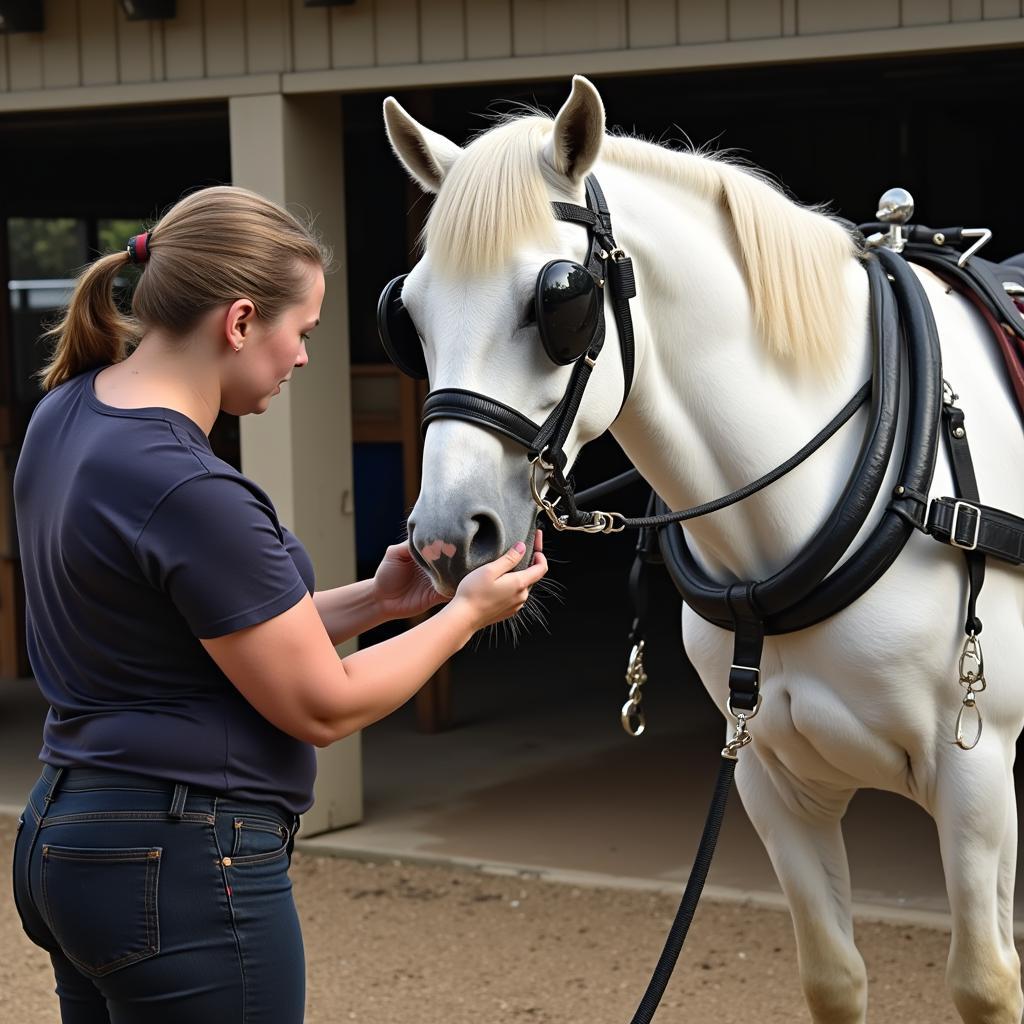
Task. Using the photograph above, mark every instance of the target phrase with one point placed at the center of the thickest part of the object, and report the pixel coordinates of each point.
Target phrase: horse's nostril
(486, 542)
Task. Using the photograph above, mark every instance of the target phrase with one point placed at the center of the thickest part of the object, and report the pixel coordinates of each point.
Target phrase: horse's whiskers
(549, 588)
(517, 626)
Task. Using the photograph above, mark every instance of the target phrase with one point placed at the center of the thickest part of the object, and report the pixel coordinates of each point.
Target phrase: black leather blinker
(398, 333)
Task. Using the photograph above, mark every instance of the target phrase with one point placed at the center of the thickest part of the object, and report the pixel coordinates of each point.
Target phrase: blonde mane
(494, 201)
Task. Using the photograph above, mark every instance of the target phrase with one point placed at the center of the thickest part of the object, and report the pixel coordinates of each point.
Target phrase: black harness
(811, 588)
(807, 591)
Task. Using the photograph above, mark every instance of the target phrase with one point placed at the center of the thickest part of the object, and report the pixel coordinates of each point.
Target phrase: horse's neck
(710, 409)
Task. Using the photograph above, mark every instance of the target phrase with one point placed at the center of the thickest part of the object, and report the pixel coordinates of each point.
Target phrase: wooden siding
(90, 43)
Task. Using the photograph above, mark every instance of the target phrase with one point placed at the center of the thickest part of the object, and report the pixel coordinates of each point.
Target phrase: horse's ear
(426, 155)
(579, 130)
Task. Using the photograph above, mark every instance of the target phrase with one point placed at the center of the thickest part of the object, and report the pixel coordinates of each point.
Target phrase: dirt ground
(407, 944)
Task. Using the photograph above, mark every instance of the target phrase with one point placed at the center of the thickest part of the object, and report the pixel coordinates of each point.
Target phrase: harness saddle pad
(1003, 312)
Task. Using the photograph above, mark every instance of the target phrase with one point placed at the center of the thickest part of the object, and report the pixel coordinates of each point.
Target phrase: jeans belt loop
(51, 793)
(178, 801)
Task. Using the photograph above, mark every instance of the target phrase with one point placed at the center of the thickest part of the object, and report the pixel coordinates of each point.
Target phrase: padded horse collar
(803, 593)
(610, 267)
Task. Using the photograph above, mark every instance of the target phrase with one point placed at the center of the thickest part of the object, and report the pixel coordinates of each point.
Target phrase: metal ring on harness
(745, 715)
(969, 704)
(633, 719)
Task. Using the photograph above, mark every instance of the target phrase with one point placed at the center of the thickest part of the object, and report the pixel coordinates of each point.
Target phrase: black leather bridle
(613, 271)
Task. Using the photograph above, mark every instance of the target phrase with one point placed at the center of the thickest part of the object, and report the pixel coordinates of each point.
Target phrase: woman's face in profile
(271, 352)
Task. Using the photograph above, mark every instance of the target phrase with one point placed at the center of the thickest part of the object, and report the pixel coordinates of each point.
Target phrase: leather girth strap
(963, 522)
(966, 483)
(748, 629)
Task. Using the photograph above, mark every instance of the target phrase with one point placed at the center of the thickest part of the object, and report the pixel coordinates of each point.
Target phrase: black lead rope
(691, 895)
(744, 699)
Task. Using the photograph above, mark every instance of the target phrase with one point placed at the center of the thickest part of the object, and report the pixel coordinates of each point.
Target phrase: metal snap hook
(971, 655)
(548, 467)
(972, 677)
(740, 738)
(631, 716)
(539, 500)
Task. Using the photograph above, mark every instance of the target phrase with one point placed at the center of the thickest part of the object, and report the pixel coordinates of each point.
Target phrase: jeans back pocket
(101, 904)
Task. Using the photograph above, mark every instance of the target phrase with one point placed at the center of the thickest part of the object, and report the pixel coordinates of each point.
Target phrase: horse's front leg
(801, 831)
(976, 813)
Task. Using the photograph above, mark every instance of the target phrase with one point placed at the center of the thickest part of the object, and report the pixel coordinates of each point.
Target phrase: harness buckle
(956, 518)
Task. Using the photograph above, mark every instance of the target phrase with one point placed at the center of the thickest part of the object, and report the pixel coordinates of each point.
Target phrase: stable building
(109, 111)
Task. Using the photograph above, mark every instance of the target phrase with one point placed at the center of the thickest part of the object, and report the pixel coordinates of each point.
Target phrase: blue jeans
(159, 904)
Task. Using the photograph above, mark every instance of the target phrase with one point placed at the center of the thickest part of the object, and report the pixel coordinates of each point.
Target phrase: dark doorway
(71, 185)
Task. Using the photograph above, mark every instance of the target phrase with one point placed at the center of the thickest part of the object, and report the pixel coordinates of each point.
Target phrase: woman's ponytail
(93, 331)
(212, 247)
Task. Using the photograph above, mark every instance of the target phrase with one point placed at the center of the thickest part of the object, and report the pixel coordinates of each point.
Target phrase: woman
(174, 629)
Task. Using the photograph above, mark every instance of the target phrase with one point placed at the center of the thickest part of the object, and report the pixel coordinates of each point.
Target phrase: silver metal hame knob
(896, 206)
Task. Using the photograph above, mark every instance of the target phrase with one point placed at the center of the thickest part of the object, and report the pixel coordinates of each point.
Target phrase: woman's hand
(402, 590)
(494, 592)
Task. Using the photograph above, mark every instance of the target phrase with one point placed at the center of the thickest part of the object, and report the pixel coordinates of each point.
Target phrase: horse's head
(469, 307)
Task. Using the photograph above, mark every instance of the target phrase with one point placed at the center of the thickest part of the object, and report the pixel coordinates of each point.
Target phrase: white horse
(751, 332)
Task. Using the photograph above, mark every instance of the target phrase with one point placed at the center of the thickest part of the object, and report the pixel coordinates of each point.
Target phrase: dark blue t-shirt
(135, 541)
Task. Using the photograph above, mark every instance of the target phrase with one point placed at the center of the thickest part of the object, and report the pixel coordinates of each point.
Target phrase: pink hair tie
(138, 248)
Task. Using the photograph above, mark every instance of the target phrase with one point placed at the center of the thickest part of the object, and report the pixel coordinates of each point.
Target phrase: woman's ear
(576, 139)
(238, 322)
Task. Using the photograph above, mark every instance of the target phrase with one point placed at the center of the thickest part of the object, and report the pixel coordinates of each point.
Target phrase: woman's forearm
(348, 611)
(383, 677)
